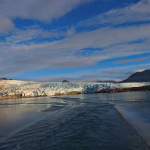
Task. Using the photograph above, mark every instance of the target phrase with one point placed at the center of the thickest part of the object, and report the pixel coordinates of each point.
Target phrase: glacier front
(28, 88)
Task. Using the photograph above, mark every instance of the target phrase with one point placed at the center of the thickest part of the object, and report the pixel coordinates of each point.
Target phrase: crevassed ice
(27, 88)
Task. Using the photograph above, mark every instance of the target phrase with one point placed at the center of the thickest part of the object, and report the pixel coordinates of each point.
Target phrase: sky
(76, 40)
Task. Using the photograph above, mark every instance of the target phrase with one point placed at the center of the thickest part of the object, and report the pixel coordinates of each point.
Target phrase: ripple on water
(79, 127)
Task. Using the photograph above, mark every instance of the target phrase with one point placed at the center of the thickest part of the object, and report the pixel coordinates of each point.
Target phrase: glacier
(29, 88)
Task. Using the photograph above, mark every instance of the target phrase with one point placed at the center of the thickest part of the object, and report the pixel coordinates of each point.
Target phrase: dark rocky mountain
(65, 81)
(143, 76)
(3, 78)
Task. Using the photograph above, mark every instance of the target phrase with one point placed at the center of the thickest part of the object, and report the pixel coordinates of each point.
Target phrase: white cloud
(68, 53)
(71, 31)
(42, 10)
(27, 49)
(139, 67)
(135, 12)
(131, 60)
(104, 37)
(5, 24)
(134, 71)
(115, 73)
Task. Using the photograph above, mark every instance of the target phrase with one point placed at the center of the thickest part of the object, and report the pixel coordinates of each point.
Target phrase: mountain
(143, 76)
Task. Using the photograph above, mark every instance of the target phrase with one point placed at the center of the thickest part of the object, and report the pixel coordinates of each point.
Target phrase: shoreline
(142, 131)
(16, 96)
(115, 90)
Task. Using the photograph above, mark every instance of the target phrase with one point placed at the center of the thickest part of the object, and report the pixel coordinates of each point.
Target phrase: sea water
(84, 121)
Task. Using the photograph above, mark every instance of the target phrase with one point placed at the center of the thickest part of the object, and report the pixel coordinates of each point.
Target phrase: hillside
(143, 76)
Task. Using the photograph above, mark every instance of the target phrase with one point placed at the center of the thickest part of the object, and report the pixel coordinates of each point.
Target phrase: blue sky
(78, 40)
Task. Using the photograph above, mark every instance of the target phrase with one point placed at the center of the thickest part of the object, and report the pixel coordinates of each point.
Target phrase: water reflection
(134, 106)
(16, 114)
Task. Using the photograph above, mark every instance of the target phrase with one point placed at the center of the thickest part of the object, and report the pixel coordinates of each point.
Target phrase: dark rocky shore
(143, 88)
(21, 96)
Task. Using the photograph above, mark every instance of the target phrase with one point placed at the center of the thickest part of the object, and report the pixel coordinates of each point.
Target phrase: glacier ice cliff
(28, 88)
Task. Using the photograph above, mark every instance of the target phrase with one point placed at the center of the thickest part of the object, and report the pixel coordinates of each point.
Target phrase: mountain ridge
(143, 76)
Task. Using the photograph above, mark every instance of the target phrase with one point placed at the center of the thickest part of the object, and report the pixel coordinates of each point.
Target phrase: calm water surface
(80, 119)
(134, 106)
